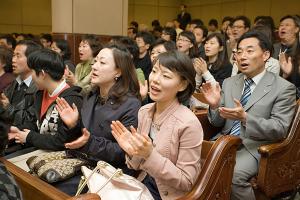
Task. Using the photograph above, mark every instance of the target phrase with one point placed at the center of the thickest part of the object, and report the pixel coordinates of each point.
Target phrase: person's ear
(147, 46)
(183, 85)
(266, 55)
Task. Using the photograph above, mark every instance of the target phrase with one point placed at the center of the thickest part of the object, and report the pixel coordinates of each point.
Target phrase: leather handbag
(110, 183)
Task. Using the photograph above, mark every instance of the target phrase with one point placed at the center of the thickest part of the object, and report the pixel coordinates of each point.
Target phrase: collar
(27, 81)
(258, 77)
(57, 90)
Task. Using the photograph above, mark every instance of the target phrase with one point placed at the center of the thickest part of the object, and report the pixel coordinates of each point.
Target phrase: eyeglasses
(182, 40)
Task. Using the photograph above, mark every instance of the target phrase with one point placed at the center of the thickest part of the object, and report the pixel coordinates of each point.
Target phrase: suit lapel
(262, 88)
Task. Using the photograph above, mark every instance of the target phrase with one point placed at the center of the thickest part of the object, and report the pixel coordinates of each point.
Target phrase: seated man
(48, 70)
(255, 105)
(16, 101)
(8, 186)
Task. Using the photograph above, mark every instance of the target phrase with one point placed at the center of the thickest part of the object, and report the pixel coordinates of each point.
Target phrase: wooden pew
(34, 188)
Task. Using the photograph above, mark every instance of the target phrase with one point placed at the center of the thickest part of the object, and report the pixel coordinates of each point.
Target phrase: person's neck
(104, 90)
(2, 71)
(52, 85)
(288, 41)
(25, 76)
(212, 59)
(142, 55)
(161, 106)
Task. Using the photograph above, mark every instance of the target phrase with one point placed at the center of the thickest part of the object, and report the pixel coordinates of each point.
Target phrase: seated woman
(6, 76)
(168, 143)
(217, 66)
(8, 186)
(48, 70)
(88, 48)
(61, 46)
(115, 97)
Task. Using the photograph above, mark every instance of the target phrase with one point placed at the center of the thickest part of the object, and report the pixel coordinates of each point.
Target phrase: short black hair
(31, 46)
(180, 63)
(169, 45)
(134, 30)
(10, 40)
(263, 41)
(6, 58)
(246, 20)
(147, 37)
(93, 42)
(227, 18)
(47, 37)
(213, 22)
(170, 31)
(198, 22)
(155, 23)
(293, 17)
(132, 47)
(47, 60)
(204, 29)
(64, 47)
(135, 24)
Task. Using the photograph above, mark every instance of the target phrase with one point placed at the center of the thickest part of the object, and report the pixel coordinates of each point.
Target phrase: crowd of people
(127, 102)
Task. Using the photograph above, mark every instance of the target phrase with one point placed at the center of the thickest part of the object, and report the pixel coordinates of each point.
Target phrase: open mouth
(154, 89)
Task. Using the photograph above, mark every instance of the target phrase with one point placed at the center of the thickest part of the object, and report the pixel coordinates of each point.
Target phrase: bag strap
(100, 165)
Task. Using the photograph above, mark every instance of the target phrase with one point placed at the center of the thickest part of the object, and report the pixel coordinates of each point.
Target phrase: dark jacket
(22, 114)
(221, 73)
(52, 133)
(97, 119)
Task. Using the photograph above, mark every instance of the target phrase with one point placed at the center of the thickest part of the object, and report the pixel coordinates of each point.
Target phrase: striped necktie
(235, 130)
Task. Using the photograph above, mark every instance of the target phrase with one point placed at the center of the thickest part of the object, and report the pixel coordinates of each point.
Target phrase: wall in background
(25, 16)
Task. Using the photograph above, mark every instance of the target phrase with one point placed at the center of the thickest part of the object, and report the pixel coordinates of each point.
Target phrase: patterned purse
(54, 166)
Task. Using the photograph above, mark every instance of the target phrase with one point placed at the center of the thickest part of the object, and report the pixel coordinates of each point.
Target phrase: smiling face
(104, 70)
(85, 51)
(287, 30)
(164, 84)
(250, 57)
(183, 44)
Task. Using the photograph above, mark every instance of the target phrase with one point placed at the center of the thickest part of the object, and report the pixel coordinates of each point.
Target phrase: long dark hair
(127, 83)
(222, 59)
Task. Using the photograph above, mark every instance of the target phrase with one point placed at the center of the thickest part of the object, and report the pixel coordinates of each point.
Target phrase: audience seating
(279, 167)
(214, 180)
(34, 188)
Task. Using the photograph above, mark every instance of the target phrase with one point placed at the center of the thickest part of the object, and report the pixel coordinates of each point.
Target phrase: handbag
(110, 183)
(54, 166)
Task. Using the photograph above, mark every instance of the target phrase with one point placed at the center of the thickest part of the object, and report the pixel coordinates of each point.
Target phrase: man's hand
(236, 113)
(212, 94)
(4, 101)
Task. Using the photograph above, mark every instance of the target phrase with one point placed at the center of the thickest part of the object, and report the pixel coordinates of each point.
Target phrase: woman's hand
(212, 94)
(200, 66)
(143, 89)
(132, 143)
(79, 142)
(68, 114)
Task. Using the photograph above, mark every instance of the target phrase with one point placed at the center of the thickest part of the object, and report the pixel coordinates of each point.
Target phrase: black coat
(97, 119)
(58, 134)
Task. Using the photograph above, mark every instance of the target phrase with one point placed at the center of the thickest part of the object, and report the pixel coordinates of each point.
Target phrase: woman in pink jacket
(167, 145)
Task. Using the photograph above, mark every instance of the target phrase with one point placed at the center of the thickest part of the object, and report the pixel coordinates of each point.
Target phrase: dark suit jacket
(184, 20)
(270, 110)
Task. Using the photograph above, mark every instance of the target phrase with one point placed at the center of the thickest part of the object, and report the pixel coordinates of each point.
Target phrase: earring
(116, 78)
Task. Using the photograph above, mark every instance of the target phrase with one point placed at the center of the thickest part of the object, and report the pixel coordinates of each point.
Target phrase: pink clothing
(175, 160)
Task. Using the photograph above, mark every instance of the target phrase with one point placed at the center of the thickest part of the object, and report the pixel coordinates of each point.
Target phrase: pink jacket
(175, 160)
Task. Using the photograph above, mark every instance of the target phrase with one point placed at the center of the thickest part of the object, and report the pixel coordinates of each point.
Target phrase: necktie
(22, 87)
(244, 99)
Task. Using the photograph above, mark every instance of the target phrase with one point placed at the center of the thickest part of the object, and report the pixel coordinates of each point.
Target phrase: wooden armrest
(32, 187)
(271, 149)
(88, 196)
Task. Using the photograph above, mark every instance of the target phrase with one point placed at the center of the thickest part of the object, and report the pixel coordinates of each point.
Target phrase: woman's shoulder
(184, 115)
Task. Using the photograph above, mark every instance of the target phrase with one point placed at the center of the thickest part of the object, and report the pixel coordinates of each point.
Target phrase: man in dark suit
(255, 105)
(183, 17)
